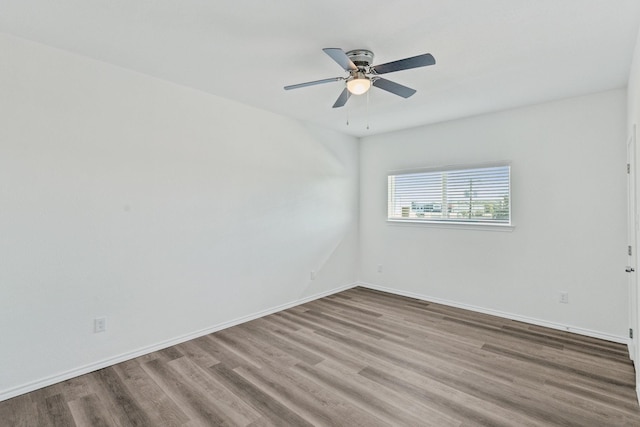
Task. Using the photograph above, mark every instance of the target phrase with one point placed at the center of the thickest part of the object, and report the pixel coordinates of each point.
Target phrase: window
(479, 195)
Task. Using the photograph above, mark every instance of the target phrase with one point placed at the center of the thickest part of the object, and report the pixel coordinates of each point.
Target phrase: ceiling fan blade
(405, 64)
(393, 87)
(342, 99)
(316, 82)
(340, 57)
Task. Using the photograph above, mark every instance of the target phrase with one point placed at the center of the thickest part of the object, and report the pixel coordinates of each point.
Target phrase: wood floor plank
(298, 318)
(548, 364)
(162, 410)
(324, 348)
(428, 414)
(359, 395)
(19, 411)
(358, 358)
(329, 320)
(259, 400)
(56, 412)
(456, 408)
(295, 351)
(306, 398)
(326, 307)
(88, 411)
(74, 388)
(310, 399)
(218, 350)
(281, 323)
(196, 405)
(197, 354)
(261, 352)
(118, 400)
(568, 389)
(238, 411)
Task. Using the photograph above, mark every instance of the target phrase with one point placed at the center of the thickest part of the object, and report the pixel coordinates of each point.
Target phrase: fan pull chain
(368, 109)
(347, 110)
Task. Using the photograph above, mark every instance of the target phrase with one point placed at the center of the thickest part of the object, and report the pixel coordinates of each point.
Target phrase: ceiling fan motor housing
(362, 58)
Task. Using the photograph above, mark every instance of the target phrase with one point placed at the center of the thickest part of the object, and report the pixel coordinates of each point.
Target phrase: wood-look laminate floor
(357, 358)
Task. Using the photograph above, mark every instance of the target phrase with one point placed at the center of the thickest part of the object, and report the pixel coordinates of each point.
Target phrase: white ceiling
(491, 54)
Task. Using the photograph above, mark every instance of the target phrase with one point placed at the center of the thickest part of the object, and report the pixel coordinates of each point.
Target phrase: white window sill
(452, 225)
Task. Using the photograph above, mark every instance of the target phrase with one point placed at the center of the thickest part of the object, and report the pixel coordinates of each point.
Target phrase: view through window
(470, 195)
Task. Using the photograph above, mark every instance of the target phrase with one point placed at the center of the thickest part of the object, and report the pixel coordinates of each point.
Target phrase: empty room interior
(419, 213)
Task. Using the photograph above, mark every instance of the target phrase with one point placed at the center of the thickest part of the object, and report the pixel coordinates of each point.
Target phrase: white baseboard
(525, 319)
(53, 379)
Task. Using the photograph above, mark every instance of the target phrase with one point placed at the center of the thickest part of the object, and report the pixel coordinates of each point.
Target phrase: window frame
(452, 223)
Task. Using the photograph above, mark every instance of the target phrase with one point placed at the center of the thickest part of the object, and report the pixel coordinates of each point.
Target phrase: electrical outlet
(379, 268)
(313, 275)
(99, 324)
(564, 297)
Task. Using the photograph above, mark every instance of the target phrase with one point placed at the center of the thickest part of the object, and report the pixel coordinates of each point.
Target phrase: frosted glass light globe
(358, 86)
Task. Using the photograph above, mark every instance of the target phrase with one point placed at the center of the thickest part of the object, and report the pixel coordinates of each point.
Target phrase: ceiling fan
(363, 75)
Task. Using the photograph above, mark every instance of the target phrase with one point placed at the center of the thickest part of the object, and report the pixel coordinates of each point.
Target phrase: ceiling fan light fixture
(363, 75)
(359, 84)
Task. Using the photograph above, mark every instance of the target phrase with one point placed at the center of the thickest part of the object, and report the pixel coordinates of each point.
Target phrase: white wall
(567, 158)
(165, 209)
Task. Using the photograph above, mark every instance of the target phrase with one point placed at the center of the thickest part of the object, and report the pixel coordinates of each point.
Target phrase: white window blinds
(470, 195)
